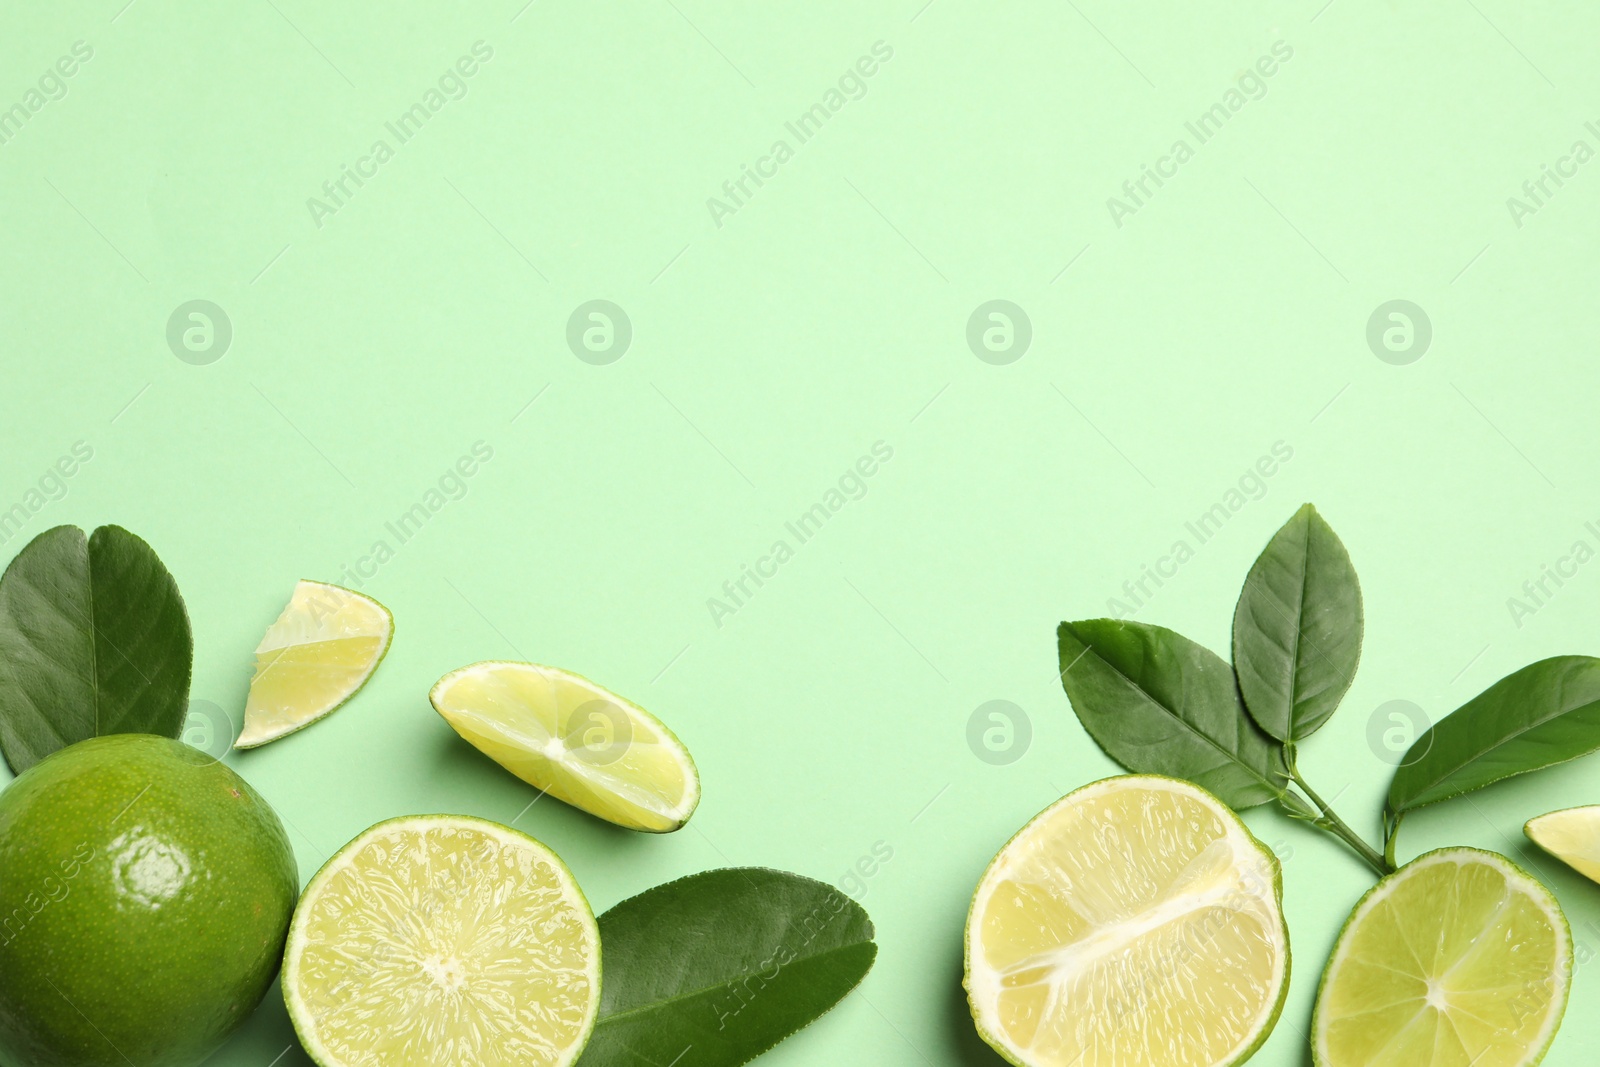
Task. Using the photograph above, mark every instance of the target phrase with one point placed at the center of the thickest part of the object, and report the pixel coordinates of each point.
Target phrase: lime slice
(1571, 836)
(443, 939)
(1134, 922)
(322, 649)
(1459, 957)
(575, 740)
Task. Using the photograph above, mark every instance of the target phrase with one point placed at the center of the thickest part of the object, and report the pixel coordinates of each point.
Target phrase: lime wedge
(443, 939)
(575, 740)
(1135, 922)
(1571, 836)
(1459, 957)
(322, 649)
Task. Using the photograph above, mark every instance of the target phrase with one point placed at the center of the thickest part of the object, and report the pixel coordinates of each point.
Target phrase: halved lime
(322, 649)
(1459, 957)
(575, 740)
(1571, 836)
(443, 939)
(1134, 923)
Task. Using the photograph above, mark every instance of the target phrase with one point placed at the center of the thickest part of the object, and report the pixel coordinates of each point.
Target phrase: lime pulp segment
(1571, 836)
(576, 740)
(321, 650)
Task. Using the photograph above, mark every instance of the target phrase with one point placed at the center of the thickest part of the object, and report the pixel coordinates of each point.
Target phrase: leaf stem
(1331, 822)
(1391, 834)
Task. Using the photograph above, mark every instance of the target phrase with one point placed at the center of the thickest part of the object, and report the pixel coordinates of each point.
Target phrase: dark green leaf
(94, 640)
(1297, 629)
(1160, 704)
(714, 969)
(1546, 713)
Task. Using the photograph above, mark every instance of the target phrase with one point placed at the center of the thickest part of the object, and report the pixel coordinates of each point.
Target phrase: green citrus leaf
(714, 969)
(1160, 704)
(1546, 713)
(94, 639)
(1297, 629)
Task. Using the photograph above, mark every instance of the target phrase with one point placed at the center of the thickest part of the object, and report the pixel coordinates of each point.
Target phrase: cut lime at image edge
(1517, 880)
(293, 979)
(1571, 835)
(305, 613)
(1252, 1038)
(523, 731)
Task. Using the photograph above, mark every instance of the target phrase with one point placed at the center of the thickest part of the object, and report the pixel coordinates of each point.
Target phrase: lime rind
(1269, 1018)
(597, 791)
(300, 1014)
(1535, 890)
(245, 741)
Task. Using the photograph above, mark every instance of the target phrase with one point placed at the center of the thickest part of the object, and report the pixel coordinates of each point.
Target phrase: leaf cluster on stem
(1159, 703)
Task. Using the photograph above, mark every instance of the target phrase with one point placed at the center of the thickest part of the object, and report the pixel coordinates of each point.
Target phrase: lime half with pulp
(1457, 958)
(443, 939)
(1134, 923)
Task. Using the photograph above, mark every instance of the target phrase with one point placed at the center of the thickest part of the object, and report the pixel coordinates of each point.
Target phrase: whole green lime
(145, 895)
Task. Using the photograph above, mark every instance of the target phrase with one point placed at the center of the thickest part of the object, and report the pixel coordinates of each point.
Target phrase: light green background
(828, 313)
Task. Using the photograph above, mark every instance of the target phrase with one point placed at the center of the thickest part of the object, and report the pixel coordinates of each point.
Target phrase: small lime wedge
(1459, 957)
(1571, 836)
(319, 653)
(1134, 923)
(575, 740)
(443, 939)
